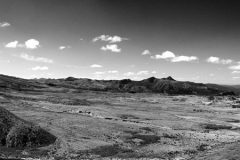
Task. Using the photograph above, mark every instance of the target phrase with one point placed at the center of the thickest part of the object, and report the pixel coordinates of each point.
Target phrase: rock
(15, 132)
(231, 93)
(235, 105)
(207, 103)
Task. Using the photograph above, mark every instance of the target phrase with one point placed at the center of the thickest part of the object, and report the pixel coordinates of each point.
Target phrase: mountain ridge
(166, 85)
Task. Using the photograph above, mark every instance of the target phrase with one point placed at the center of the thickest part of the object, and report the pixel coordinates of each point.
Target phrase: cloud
(129, 74)
(81, 39)
(4, 24)
(112, 47)
(235, 72)
(142, 73)
(237, 67)
(109, 39)
(136, 78)
(183, 58)
(99, 73)
(146, 52)
(236, 78)
(38, 59)
(12, 44)
(64, 47)
(111, 78)
(30, 44)
(164, 55)
(40, 68)
(213, 60)
(173, 58)
(112, 71)
(217, 60)
(154, 72)
(3, 60)
(226, 61)
(95, 66)
(211, 75)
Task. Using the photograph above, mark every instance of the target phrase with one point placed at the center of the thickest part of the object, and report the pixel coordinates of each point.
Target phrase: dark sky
(186, 28)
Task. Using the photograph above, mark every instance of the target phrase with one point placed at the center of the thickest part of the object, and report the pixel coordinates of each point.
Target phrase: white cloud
(110, 39)
(136, 78)
(154, 72)
(132, 65)
(164, 55)
(211, 74)
(111, 78)
(32, 44)
(173, 58)
(40, 68)
(38, 59)
(142, 73)
(217, 60)
(3, 60)
(64, 47)
(95, 66)
(235, 67)
(12, 44)
(4, 24)
(213, 60)
(112, 71)
(129, 74)
(226, 61)
(236, 78)
(112, 47)
(183, 58)
(61, 47)
(235, 72)
(146, 52)
(99, 73)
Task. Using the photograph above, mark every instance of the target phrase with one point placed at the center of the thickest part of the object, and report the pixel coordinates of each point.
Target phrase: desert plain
(95, 124)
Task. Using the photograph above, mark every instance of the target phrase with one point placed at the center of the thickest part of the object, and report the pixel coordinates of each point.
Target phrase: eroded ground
(91, 124)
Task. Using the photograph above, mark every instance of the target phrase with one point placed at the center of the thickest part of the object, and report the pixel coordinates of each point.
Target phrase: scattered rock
(235, 105)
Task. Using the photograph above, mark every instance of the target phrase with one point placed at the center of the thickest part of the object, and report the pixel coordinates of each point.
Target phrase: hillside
(150, 85)
(15, 132)
(227, 88)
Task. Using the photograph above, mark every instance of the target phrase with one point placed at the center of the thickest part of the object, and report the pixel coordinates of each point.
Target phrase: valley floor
(100, 125)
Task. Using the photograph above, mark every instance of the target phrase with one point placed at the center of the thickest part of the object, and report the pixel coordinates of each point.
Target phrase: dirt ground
(100, 125)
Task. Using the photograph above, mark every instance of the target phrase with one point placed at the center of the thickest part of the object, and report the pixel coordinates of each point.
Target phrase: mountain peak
(169, 78)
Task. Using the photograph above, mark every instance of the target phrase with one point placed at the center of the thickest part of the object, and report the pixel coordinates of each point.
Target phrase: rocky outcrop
(15, 132)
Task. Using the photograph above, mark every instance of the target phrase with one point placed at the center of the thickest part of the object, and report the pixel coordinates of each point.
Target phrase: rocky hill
(15, 132)
(164, 85)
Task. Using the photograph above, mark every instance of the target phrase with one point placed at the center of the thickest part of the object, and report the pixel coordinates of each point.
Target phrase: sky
(190, 40)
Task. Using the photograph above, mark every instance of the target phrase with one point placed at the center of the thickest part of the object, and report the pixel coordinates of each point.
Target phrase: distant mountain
(18, 83)
(226, 88)
(150, 85)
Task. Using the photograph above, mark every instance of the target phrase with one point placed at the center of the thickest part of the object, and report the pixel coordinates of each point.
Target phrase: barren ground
(103, 125)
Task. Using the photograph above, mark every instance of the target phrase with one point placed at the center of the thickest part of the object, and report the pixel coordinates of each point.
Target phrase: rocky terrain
(92, 119)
